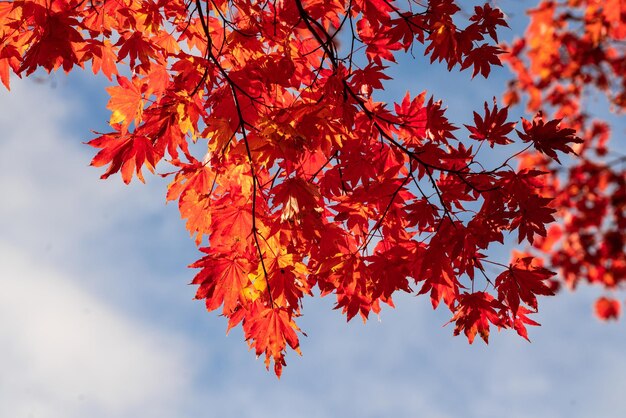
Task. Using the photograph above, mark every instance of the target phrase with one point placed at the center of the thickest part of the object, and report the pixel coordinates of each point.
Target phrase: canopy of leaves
(308, 182)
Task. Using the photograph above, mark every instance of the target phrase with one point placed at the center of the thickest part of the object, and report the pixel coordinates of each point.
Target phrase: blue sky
(97, 319)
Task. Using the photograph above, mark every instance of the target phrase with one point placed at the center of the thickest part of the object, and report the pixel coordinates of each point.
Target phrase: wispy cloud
(65, 353)
(66, 349)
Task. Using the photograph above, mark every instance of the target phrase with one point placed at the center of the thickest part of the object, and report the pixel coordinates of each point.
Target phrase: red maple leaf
(57, 44)
(473, 314)
(523, 282)
(127, 153)
(521, 320)
(489, 19)
(549, 137)
(608, 308)
(493, 127)
(532, 217)
(482, 58)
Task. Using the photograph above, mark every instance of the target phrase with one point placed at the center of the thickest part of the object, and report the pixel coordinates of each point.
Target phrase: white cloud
(55, 206)
(65, 353)
(68, 347)
(46, 185)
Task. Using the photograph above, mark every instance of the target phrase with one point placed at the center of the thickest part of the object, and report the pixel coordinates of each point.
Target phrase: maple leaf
(192, 185)
(126, 101)
(56, 45)
(351, 281)
(520, 320)
(421, 213)
(369, 77)
(390, 271)
(287, 286)
(439, 279)
(269, 331)
(548, 137)
(607, 308)
(494, 128)
(473, 314)
(523, 282)
(298, 198)
(414, 117)
(196, 175)
(482, 58)
(125, 153)
(9, 59)
(443, 44)
(286, 274)
(222, 279)
(196, 209)
(233, 221)
(533, 214)
(489, 19)
(135, 45)
(377, 46)
(103, 57)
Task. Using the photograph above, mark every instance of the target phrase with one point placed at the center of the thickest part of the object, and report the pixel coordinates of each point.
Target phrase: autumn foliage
(308, 183)
(573, 55)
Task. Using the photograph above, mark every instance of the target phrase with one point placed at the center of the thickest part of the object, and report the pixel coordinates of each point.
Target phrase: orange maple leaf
(222, 279)
(103, 55)
(126, 101)
(269, 330)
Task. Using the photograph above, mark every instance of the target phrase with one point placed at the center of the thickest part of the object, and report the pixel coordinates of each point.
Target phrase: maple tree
(308, 181)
